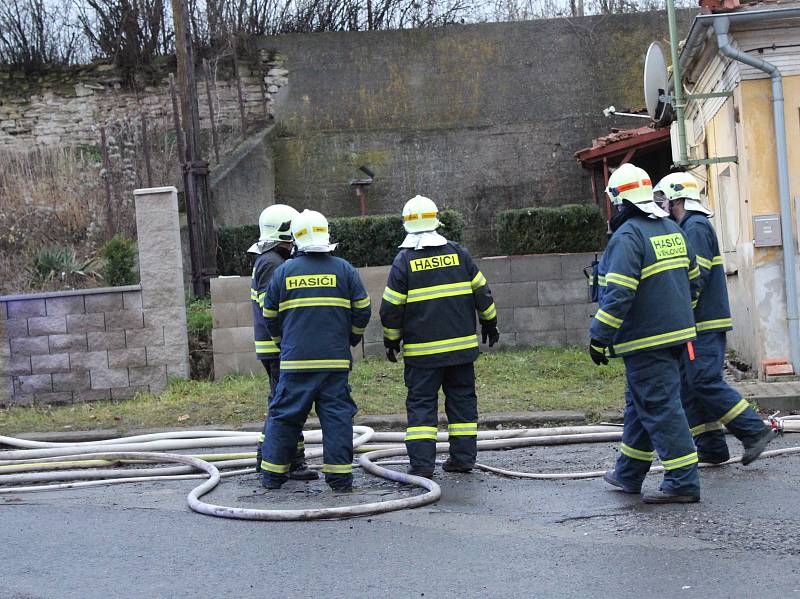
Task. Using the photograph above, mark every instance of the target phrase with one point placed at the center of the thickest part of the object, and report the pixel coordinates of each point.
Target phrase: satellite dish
(656, 78)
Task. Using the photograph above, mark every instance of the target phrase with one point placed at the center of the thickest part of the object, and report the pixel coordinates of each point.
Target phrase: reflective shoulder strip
(253, 294)
(636, 454)
(655, 340)
(463, 429)
(694, 273)
(705, 428)
(414, 433)
(623, 280)
(731, 414)
(394, 297)
(663, 265)
(601, 280)
(276, 468)
(479, 281)
(704, 262)
(392, 334)
(488, 313)
(719, 323)
(362, 303)
(441, 346)
(357, 330)
(686, 460)
(314, 364)
(270, 313)
(608, 319)
(422, 294)
(716, 261)
(309, 302)
(337, 468)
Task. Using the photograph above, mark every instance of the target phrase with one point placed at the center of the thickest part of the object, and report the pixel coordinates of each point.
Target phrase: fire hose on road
(43, 466)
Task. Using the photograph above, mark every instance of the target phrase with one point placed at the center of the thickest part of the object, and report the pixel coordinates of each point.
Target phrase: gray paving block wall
(541, 300)
(87, 345)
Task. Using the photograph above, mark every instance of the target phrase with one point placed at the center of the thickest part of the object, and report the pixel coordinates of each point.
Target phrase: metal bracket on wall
(720, 160)
(708, 95)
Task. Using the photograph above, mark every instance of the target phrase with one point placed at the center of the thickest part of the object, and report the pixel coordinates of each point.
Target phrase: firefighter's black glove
(355, 339)
(597, 351)
(490, 333)
(392, 348)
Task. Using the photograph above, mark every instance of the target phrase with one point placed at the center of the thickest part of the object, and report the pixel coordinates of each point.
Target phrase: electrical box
(767, 230)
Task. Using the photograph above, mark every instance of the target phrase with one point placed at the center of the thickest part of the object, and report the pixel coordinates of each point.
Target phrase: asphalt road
(487, 537)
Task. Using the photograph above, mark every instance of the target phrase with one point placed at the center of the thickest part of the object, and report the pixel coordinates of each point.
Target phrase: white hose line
(399, 437)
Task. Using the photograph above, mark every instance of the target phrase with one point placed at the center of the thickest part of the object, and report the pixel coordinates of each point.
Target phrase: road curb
(394, 422)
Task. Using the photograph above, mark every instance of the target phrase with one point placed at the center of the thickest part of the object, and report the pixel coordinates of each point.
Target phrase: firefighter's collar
(428, 239)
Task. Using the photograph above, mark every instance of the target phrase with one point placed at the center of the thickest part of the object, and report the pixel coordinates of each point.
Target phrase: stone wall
(88, 345)
(67, 106)
(541, 300)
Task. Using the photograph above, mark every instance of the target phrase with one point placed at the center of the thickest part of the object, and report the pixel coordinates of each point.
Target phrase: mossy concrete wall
(478, 117)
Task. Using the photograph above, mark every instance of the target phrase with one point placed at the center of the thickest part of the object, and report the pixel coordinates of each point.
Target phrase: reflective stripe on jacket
(263, 269)
(646, 301)
(430, 302)
(315, 307)
(712, 312)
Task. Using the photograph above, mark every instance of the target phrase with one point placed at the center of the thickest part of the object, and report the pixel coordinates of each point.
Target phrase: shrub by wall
(566, 229)
(363, 240)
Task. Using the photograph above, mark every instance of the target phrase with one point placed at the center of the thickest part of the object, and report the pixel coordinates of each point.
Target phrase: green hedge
(570, 228)
(363, 240)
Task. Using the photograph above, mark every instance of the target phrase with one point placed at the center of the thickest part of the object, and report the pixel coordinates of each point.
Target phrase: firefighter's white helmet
(682, 186)
(310, 231)
(632, 184)
(275, 223)
(420, 214)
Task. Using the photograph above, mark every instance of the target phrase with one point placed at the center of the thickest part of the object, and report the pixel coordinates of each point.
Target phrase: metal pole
(239, 91)
(207, 75)
(677, 79)
(106, 177)
(146, 151)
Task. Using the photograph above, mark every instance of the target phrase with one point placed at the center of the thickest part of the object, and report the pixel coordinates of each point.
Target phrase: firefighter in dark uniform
(431, 297)
(273, 248)
(316, 308)
(709, 402)
(645, 316)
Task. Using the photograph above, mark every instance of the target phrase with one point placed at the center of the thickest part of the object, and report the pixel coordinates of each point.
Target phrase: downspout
(721, 27)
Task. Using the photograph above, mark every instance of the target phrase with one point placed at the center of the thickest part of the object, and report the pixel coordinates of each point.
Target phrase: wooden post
(202, 238)
(207, 75)
(146, 151)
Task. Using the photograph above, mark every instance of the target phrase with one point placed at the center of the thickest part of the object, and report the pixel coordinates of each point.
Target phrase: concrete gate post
(161, 274)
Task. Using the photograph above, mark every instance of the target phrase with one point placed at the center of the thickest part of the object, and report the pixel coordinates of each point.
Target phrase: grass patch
(530, 379)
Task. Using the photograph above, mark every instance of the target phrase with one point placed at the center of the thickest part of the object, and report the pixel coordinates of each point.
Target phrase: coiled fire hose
(96, 463)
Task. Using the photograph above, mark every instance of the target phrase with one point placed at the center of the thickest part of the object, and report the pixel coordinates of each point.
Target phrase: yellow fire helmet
(420, 214)
(275, 223)
(632, 184)
(682, 186)
(310, 231)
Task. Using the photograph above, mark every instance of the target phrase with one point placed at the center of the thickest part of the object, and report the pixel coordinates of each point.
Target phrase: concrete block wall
(87, 345)
(542, 300)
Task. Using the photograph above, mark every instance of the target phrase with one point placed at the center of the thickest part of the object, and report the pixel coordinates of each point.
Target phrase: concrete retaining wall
(87, 345)
(541, 301)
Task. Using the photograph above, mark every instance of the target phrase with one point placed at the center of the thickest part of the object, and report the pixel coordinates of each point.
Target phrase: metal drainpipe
(721, 27)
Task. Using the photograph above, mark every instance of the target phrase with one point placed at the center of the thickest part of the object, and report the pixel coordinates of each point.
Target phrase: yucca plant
(58, 263)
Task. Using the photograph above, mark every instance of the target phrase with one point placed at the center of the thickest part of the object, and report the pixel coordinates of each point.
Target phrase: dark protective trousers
(654, 420)
(460, 404)
(329, 394)
(710, 403)
(273, 368)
